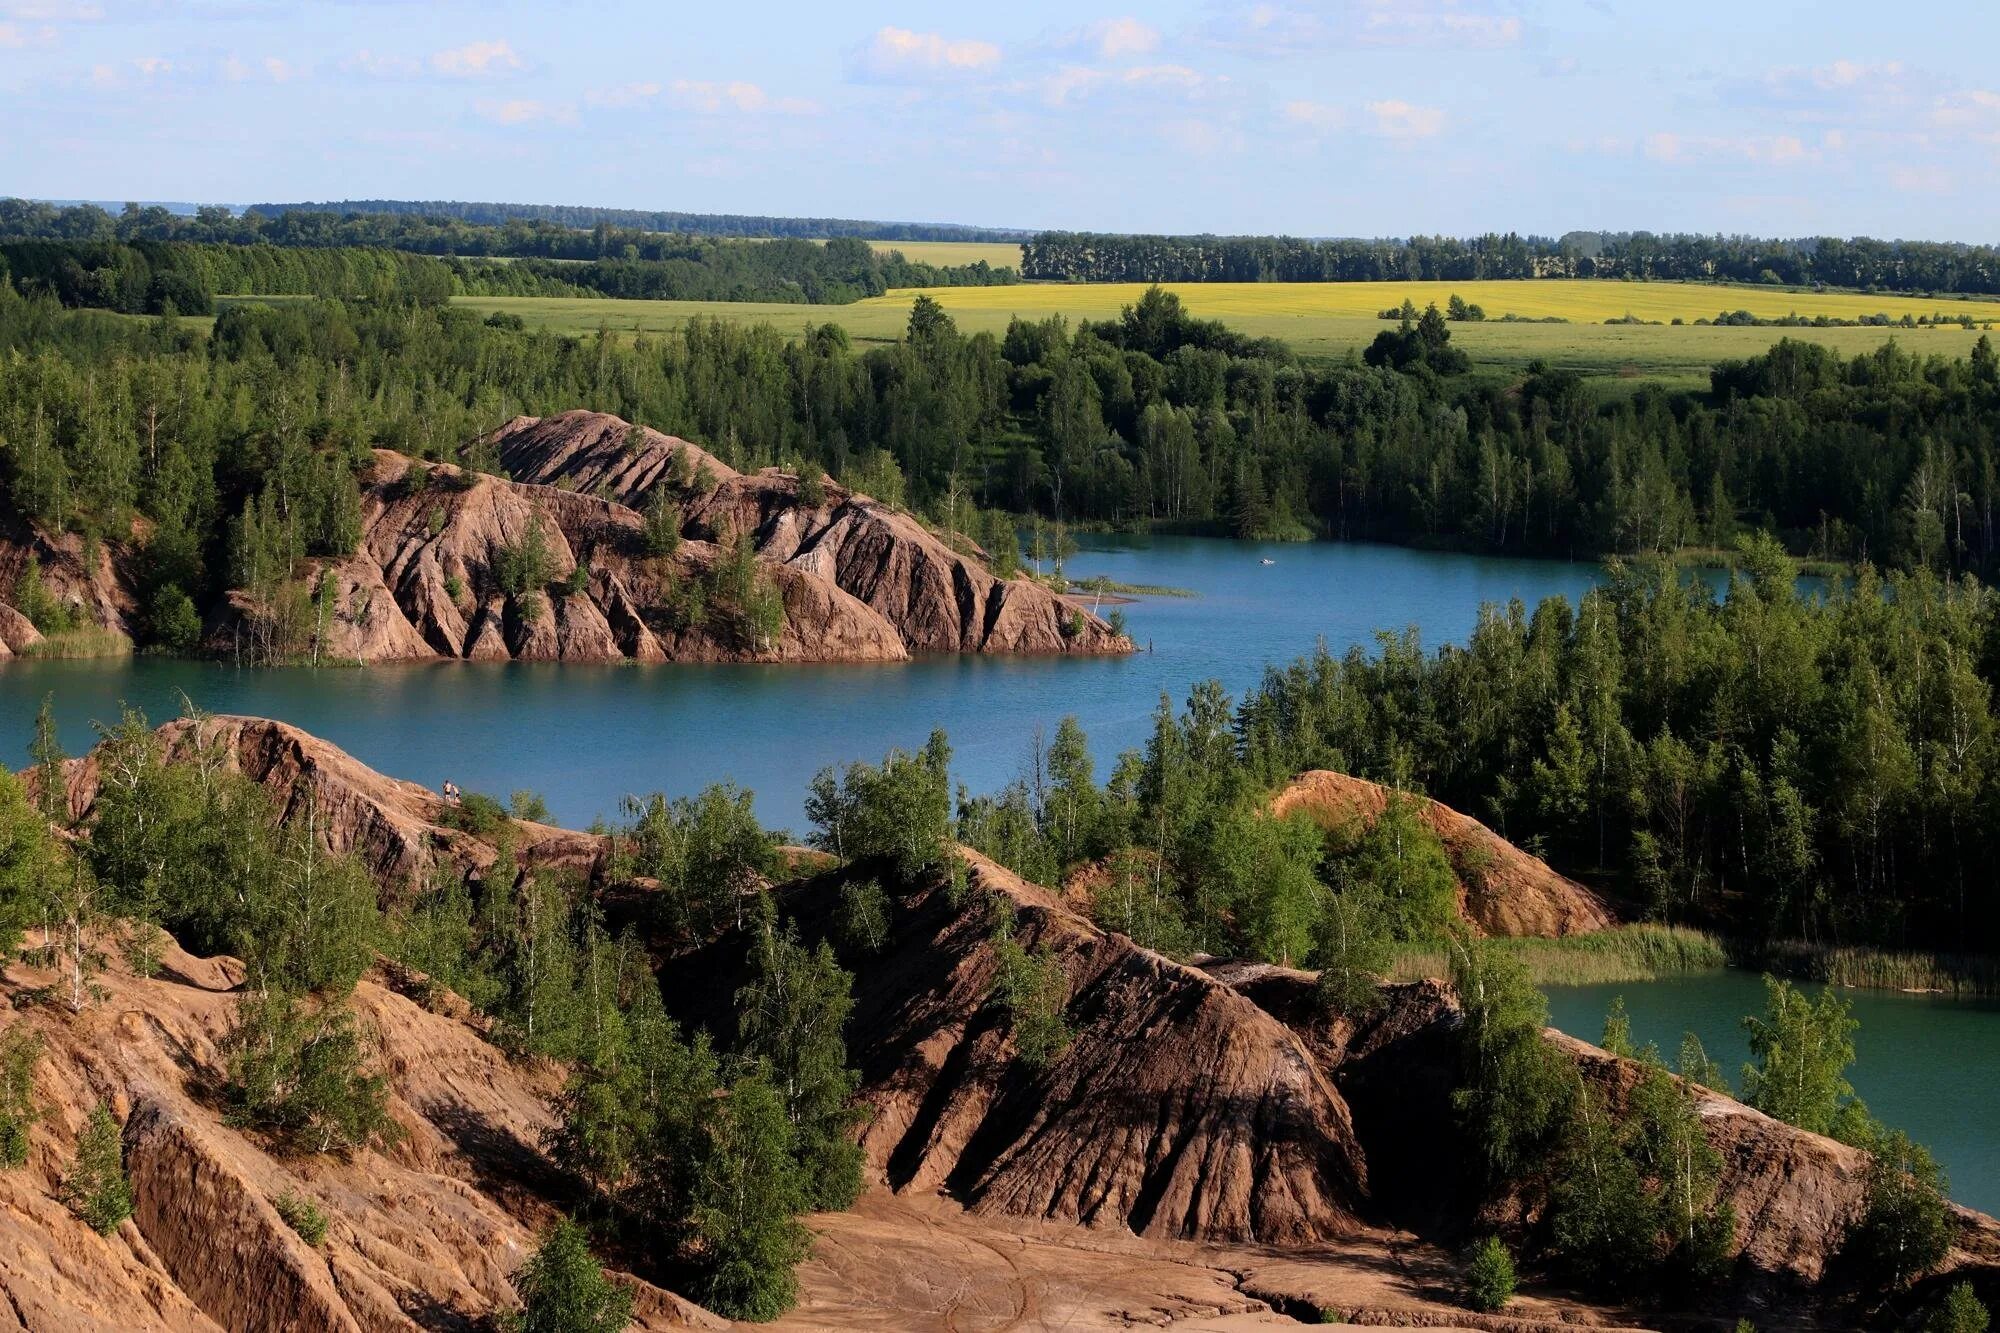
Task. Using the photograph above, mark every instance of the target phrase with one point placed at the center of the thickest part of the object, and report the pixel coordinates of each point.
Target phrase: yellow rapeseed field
(1582, 300)
(949, 253)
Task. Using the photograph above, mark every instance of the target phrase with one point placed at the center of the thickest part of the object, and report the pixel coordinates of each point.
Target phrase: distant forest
(149, 276)
(694, 224)
(1896, 266)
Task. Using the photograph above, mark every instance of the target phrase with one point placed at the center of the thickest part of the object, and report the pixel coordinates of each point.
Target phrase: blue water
(585, 736)
(1925, 1064)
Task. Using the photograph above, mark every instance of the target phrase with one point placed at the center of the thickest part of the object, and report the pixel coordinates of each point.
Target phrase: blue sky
(1320, 117)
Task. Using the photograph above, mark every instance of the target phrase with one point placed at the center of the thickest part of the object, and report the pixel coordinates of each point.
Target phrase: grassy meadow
(1331, 320)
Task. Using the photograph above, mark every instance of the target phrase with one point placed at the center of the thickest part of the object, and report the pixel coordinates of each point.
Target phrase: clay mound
(1502, 889)
(396, 828)
(937, 599)
(1179, 1110)
(425, 1235)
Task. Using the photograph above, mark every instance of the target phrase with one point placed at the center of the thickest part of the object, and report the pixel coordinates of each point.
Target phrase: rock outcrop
(938, 599)
(424, 1235)
(1178, 1110)
(1502, 889)
(94, 580)
(397, 829)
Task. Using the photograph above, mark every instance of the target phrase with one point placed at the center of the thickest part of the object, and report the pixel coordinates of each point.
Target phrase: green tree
(1960, 1311)
(746, 1200)
(298, 1071)
(708, 853)
(900, 810)
(52, 793)
(95, 1187)
(563, 1290)
(1032, 988)
(1802, 1051)
(1513, 1092)
(20, 1052)
(791, 1020)
(1906, 1229)
(1489, 1276)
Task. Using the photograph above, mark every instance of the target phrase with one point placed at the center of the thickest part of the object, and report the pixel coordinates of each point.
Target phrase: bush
(476, 813)
(296, 1072)
(1959, 1312)
(1489, 1276)
(1906, 1231)
(20, 1050)
(303, 1216)
(527, 565)
(563, 1290)
(95, 1187)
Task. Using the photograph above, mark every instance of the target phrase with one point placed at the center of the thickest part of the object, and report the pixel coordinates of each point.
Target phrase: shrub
(661, 535)
(1489, 1276)
(476, 813)
(563, 1290)
(20, 1050)
(1034, 990)
(528, 805)
(526, 566)
(1961, 1311)
(296, 1071)
(1116, 620)
(1906, 1230)
(303, 1216)
(95, 1187)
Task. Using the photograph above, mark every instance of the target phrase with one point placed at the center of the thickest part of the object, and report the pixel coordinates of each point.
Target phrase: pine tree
(46, 750)
(95, 1186)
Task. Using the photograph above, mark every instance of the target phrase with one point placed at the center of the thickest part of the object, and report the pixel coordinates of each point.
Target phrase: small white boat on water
(1267, 561)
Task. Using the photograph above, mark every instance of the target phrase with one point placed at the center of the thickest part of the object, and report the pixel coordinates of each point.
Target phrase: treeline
(147, 276)
(1860, 262)
(1156, 417)
(695, 224)
(154, 277)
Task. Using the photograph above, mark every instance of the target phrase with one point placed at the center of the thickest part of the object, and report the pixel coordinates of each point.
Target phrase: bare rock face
(1502, 889)
(93, 579)
(17, 633)
(938, 600)
(425, 1235)
(1179, 1110)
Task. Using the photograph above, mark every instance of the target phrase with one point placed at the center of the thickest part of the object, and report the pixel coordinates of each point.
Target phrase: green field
(1330, 320)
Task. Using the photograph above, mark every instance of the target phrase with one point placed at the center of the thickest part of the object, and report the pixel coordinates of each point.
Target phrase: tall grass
(1627, 953)
(89, 641)
(1965, 976)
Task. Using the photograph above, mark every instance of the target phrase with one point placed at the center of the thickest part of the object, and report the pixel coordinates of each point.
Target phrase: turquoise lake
(586, 736)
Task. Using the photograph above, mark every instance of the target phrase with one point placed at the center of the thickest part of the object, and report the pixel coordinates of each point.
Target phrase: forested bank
(639, 219)
(256, 432)
(1860, 262)
(1773, 765)
(148, 277)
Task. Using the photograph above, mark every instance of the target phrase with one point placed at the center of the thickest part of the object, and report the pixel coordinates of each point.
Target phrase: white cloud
(625, 94)
(1077, 82)
(1967, 110)
(524, 111)
(1318, 117)
(1293, 27)
(710, 99)
(1111, 39)
(475, 60)
(50, 11)
(237, 70)
(380, 65)
(895, 54)
(1395, 119)
(1759, 149)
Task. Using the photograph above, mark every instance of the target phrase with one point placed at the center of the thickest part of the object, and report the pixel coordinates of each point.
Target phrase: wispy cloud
(1074, 83)
(1299, 27)
(1396, 119)
(899, 55)
(1318, 117)
(1110, 39)
(711, 99)
(524, 111)
(235, 69)
(1757, 149)
(476, 60)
